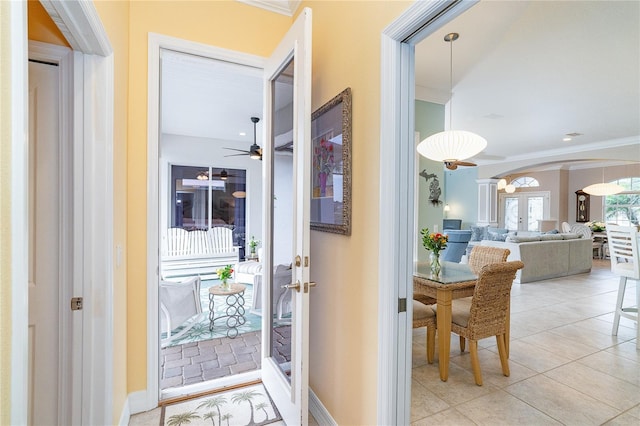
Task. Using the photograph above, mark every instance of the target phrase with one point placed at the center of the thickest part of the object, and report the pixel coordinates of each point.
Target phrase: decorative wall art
(434, 187)
(331, 165)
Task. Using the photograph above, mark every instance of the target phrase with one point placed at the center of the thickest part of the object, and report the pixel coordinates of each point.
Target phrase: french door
(522, 211)
(285, 367)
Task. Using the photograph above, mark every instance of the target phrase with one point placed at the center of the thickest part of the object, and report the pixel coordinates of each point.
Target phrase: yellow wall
(41, 26)
(344, 305)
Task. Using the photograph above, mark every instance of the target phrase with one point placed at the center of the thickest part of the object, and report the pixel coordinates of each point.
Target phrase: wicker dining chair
(487, 314)
(424, 316)
(485, 255)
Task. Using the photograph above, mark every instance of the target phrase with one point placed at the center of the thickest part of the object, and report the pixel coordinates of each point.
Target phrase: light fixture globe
(451, 145)
(603, 189)
(502, 183)
(510, 189)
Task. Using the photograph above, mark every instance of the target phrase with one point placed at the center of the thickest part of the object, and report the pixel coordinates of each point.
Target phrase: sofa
(548, 255)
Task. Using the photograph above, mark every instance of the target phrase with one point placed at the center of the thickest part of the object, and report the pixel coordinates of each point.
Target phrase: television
(451, 224)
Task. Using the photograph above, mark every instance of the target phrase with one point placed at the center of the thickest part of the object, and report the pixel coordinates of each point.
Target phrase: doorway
(522, 212)
(210, 205)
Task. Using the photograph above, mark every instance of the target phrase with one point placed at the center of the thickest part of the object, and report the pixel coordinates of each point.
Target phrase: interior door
(286, 229)
(44, 244)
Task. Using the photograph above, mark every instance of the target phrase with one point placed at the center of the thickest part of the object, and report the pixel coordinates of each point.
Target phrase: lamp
(603, 189)
(510, 189)
(502, 183)
(447, 208)
(451, 146)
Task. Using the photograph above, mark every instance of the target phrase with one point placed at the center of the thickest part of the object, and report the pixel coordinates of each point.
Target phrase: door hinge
(402, 305)
(76, 303)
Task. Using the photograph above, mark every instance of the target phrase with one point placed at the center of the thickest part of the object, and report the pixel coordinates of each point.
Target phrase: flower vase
(322, 178)
(225, 285)
(434, 259)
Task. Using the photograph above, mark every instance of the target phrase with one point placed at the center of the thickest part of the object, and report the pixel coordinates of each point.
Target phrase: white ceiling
(527, 73)
(524, 75)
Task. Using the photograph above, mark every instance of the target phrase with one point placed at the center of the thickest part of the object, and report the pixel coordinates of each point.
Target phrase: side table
(234, 314)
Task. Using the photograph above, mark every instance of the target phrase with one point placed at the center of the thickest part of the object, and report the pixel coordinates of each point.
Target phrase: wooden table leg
(444, 331)
(507, 333)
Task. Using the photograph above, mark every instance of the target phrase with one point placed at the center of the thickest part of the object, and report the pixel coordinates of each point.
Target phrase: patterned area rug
(249, 405)
(201, 330)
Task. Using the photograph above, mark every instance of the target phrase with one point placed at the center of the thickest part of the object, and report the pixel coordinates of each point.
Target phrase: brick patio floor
(212, 359)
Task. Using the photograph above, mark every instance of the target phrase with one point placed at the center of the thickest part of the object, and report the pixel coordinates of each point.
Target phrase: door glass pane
(283, 225)
(535, 212)
(511, 213)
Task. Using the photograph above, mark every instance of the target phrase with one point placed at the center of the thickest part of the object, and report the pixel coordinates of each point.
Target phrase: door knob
(307, 285)
(295, 286)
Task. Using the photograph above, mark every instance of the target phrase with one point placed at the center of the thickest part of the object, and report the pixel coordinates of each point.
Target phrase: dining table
(454, 281)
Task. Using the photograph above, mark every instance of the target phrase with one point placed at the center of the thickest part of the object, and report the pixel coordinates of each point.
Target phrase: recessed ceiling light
(243, 133)
(566, 139)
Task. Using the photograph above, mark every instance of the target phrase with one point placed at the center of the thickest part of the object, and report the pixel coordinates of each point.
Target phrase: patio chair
(181, 308)
(625, 262)
(486, 316)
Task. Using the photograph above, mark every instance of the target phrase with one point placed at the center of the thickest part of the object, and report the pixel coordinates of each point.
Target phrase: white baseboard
(125, 416)
(319, 411)
(137, 402)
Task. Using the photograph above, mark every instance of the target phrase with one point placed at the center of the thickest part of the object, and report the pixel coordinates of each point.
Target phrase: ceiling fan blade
(236, 155)
(466, 163)
(240, 150)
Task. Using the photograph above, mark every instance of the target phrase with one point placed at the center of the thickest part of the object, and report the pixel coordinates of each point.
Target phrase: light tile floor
(566, 367)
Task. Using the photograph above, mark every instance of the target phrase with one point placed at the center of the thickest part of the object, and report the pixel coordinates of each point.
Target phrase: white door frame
(91, 268)
(397, 184)
(523, 196)
(148, 399)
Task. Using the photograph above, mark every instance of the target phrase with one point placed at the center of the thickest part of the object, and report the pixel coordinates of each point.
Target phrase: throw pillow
(550, 237)
(553, 231)
(517, 239)
(478, 233)
(496, 236)
(570, 236)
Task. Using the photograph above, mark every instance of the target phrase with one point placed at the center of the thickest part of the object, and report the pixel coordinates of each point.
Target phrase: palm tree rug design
(250, 405)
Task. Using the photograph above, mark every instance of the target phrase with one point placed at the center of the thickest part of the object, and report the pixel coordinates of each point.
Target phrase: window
(525, 182)
(624, 208)
(206, 197)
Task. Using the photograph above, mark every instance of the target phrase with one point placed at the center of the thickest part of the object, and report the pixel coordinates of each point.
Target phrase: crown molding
(283, 7)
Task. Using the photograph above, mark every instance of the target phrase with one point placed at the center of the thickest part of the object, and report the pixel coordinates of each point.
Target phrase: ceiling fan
(453, 164)
(254, 151)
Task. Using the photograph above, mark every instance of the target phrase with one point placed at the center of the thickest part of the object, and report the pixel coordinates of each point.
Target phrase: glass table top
(450, 273)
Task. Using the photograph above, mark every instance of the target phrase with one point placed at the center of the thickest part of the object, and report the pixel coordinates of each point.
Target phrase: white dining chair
(625, 262)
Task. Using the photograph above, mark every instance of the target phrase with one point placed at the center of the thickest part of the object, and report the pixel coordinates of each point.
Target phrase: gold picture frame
(331, 165)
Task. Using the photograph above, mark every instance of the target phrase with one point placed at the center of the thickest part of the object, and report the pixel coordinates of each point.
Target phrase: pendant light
(224, 174)
(603, 189)
(452, 146)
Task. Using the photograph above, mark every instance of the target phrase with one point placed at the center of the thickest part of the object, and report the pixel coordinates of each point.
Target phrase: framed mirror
(331, 165)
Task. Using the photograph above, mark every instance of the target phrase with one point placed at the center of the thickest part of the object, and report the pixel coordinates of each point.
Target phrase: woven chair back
(484, 255)
(491, 300)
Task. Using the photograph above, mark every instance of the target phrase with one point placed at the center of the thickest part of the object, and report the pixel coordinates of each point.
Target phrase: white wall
(192, 151)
